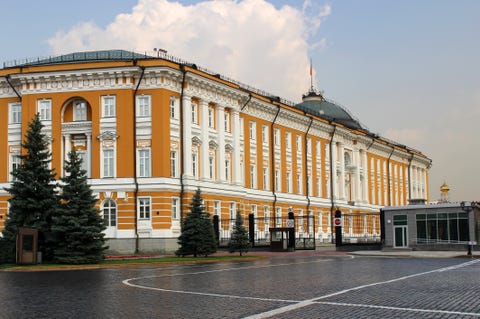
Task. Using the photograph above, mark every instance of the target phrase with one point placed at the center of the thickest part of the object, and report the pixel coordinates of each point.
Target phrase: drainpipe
(272, 156)
(331, 172)
(13, 88)
(135, 178)
(388, 177)
(248, 101)
(410, 179)
(182, 167)
(306, 162)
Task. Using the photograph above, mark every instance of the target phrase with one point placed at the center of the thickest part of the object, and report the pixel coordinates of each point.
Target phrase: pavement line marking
(308, 302)
(209, 294)
(224, 269)
(448, 312)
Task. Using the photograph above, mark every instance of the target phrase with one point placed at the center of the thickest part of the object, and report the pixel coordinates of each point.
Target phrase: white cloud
(250, 40)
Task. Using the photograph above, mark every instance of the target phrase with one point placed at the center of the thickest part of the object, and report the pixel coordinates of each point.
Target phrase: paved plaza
(296, 286)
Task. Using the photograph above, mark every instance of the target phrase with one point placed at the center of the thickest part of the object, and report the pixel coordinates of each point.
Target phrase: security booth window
(442, 227)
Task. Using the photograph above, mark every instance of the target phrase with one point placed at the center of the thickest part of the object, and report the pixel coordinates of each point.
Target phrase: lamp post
(468, 209)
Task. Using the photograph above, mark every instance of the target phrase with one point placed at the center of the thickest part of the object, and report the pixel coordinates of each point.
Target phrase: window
(175, 208)
(227, 169)
(108, 106)
(194, 113)
(265, 178)
(265, 134)
(309, 146)
(253, 176)
(441, 227)
(289, 182)
(109, 213)
(173, 108)
(254, 210)
(45, 110)
(173, 164)
(252, 130)
(276, 136)
(194, 164)
(289, 140)
(298, 143)
(15, 163)
(231, 209)
(277, 180)
(79, 111)
(226, 121)
(216, 207)
(144, 208)
(15, 113)
(266, 216)
(211, 117)
(144, 106)
(299, 183)
(144, 163)
(278, 217)
(211, 167)
(108, 163)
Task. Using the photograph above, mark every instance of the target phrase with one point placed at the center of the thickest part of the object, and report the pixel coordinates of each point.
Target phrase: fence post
(338, 230)
(291, 235)
(216, 228)
(251, 229)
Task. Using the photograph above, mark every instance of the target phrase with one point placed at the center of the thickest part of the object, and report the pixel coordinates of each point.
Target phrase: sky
(407, 70)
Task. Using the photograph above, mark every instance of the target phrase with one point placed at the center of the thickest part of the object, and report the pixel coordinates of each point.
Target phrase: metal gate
(361, 228)
(259, 230)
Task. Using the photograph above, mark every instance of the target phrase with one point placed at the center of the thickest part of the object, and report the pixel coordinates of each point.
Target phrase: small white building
(444, 226)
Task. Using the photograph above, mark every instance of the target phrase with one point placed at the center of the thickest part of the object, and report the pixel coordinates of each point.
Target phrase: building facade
(151, 130)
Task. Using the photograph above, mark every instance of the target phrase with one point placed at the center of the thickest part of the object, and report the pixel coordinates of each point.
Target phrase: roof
(315, 104)
(90, 56)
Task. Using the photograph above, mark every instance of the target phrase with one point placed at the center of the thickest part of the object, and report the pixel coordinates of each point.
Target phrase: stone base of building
(122, 246)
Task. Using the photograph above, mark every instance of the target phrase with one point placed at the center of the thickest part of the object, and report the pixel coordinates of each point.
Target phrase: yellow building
(151, 130)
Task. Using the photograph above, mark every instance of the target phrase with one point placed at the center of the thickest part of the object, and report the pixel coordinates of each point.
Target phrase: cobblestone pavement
(288, 286)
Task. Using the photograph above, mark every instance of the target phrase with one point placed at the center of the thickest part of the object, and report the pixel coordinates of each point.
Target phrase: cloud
(250, 40)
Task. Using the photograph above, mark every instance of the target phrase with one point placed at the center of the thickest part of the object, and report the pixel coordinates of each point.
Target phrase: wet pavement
(303, 285)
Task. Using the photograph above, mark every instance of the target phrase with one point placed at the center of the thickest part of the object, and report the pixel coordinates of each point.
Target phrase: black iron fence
(259, 230)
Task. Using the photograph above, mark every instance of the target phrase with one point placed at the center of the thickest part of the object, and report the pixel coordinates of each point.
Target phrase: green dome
(315, 104)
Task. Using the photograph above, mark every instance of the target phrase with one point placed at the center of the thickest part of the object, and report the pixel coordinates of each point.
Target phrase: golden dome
(444, 188)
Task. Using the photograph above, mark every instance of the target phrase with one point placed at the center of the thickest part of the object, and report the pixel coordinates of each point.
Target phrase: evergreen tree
(33, 198)
(78, 226)
(198, 236)
(239, 240)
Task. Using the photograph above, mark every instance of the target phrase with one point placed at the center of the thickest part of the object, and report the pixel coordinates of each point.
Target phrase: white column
(187, 136)
(68, 145)
(204, 148)
(89, 155)
(341, 194)
(424, 181)
(358, 190)
(221, 143)
(236, 147)
(333, 178)
(366, 176)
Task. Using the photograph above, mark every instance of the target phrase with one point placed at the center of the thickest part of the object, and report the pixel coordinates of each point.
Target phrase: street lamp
(468, 209)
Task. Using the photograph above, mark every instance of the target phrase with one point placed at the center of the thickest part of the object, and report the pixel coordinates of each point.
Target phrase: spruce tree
(33, 198)
(197, 237)
(78, 226)
(239, 240)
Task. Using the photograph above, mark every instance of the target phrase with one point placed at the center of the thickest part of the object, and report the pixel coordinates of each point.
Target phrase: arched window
(110, 213)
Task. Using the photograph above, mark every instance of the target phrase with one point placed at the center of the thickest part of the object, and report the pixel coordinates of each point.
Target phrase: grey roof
(315, 104)
(90, 56)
